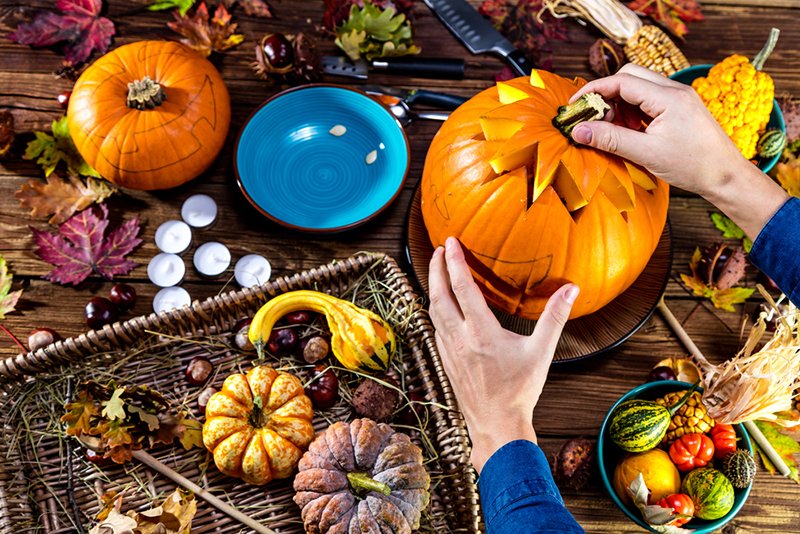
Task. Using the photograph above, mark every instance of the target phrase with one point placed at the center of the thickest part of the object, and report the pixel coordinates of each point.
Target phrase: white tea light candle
(212, 259)
(199, 211)
(166, 270)
(173, 237)
(252, 270)
(170, 298)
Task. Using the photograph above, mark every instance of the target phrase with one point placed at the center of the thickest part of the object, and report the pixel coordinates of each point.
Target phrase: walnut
(316, 349)
(375, 401)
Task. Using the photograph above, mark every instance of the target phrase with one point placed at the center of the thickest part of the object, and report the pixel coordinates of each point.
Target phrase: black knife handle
(521, 64)
(423, 67)
(434, 99)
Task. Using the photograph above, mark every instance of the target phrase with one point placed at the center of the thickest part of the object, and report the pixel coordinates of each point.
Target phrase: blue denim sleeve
(519, 495)
(776, 249)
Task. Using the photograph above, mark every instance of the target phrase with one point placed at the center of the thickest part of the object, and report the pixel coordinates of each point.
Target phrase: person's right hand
(682, 144)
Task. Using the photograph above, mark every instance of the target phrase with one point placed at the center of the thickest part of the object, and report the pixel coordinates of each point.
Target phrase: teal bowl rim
(311, 229)
(634, 393)
(700, 70)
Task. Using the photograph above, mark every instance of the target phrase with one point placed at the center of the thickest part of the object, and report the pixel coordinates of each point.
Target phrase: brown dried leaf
(788, 175)
(207, 36)
(62, 198)
(6, 132)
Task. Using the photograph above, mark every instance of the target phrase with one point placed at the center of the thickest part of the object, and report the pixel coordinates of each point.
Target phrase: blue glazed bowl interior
(776, 121)
(608, 455)
(295, 171)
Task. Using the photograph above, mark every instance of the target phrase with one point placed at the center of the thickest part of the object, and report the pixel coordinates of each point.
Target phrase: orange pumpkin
(532, 209)
(258, 425)
(149, 115)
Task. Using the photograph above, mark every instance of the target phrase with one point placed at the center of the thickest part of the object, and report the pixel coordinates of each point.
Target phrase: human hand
(682, 144)
(497, 376)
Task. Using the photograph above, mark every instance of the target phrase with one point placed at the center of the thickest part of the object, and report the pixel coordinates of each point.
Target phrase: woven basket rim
(221, 312)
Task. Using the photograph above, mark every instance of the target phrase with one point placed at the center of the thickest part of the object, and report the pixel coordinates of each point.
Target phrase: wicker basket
(38, 493)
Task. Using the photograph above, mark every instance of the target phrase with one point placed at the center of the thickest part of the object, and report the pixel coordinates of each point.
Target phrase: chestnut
(277, 51)
(198, 370)
(41, 337)
(282, 341)
(298, 317)
(413, 412)
(324, 389)
(661, 373)
(204, 396)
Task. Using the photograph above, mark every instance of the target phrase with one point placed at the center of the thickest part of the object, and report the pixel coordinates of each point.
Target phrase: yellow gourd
(360, 339)
(739, 95)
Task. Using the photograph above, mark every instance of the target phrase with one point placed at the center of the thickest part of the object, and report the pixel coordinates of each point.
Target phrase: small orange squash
(534, 210)
(149, 115)
(258, 425)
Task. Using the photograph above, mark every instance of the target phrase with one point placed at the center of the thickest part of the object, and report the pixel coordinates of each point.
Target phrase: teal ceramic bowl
(776, 122)
(608, 454)
(294, 170)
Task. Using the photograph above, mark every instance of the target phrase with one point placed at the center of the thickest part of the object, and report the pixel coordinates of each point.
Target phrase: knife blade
(477, 33)
(416, 96)
(423, 67)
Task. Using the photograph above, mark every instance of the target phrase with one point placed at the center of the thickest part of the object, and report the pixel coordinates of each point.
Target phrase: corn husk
(611, 17)
(757, 384)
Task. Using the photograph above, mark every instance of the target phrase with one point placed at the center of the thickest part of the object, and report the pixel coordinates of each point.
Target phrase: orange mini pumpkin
(532, 209)
(149, 115)
(258, 425)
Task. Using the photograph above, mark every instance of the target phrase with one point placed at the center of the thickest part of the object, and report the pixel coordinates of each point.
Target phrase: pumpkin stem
(145, 94)
(362, 483)
(256, 419)
(683, 399)
(769, 46)
(589, 107)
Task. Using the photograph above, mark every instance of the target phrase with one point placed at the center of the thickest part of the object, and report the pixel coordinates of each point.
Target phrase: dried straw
(757, 384)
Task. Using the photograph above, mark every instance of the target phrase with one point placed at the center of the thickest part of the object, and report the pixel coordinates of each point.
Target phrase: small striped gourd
(771, 143)
(639, 425)
(711, 492)
(740, 468)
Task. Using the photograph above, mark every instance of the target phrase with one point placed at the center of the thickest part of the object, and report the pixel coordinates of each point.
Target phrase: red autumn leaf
(81, 246)
(670, 13)
(79, 26)
(206, 35)
(256, 8)
(526, 24)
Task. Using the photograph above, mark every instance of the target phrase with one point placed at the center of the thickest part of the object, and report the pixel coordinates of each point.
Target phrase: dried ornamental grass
(757, 384)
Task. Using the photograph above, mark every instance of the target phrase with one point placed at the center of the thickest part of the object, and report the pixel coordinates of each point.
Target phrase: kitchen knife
(423, 67)
(477, 33)
(416, 96)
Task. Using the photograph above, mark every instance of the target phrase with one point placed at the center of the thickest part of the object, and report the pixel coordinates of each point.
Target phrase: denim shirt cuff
(770, 247)
(517, 470)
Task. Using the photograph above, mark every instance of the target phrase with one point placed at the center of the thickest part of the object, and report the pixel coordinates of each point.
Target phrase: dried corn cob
(644, 45)
(652, 48)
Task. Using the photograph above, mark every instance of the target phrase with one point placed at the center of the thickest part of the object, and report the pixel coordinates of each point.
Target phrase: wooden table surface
(577, 396)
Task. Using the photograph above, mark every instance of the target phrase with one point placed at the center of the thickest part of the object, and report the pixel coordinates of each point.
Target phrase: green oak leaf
(731, 230)
(787, 447)
(50, 150)
(113, 407)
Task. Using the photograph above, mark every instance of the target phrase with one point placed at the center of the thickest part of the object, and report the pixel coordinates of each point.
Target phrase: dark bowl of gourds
(757, 128)
(668, 465)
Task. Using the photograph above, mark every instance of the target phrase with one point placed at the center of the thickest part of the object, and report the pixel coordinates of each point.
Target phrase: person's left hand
(497, 375)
